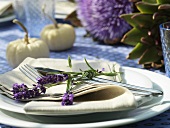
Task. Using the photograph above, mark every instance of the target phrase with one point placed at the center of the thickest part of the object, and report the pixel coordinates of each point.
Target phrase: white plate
(7, 18)
(63, 8)
(97, 119)
(140, 80)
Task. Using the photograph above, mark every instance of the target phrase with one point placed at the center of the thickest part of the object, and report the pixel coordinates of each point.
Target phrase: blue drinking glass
(165, 39)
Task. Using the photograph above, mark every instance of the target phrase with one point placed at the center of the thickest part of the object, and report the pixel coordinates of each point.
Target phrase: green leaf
(163, 1)
(149, 56)
(150, 1)
(138, 19)
(89, 65)
(128, 19)
(148, 40)
(164, 7)
(160, 17)
(147, 8)
(69, 62)
(143, 20)
(133, 36)
(137, 52)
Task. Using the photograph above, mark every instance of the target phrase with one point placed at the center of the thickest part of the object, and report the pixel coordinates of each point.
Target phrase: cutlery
(35, 72)
(154, 92)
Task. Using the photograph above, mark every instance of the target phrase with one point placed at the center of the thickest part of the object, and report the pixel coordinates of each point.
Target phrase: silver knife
(154, 92)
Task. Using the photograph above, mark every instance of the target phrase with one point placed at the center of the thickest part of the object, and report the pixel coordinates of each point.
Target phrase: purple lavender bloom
(101, 17)
(38, 89)
(18, 95)
(19, 88)
(23, 92)
(103, 69)
(67, 99)
(52, 78)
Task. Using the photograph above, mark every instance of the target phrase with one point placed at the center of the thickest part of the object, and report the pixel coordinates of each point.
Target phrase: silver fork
(33, 74)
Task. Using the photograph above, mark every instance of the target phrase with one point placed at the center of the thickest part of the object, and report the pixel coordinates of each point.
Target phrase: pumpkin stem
(24, 28)
(52, 19)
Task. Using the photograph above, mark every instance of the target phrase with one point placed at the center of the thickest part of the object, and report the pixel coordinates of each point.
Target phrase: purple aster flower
(101, 17)
(67, 99)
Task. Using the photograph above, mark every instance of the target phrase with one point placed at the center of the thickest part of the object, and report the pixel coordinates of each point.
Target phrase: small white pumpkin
(20, 49)
(59, 37)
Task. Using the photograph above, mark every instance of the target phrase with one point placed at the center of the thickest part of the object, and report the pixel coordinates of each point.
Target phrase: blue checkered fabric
(85, 48)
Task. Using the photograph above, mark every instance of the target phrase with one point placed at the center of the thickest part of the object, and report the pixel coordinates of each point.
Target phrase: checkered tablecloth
(85, 48)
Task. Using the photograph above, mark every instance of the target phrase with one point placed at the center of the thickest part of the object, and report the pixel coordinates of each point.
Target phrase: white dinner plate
(129, 76)
(7, 18)
(64, 8)
(96, 119)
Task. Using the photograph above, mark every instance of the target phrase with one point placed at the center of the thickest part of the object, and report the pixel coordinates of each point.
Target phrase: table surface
(85, 48)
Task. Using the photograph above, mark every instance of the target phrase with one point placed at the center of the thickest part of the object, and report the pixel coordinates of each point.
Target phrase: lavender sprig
(21, 91)
(67, 99)
(52, 79)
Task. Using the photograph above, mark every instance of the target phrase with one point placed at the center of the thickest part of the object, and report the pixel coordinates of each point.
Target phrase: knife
(154, 92)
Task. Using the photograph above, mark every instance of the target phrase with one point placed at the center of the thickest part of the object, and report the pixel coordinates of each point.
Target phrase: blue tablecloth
(85, 48)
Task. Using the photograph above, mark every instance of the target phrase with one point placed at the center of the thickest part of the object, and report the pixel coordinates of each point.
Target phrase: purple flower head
(38, 89)
(52, 78)
(103, 69)
(19, 88)
(102, 17)
(67, 99)
(18, 95)
(23, 92)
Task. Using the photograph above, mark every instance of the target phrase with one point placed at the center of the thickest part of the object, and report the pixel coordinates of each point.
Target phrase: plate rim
(7, 18)
(19, 109)
(162, 107)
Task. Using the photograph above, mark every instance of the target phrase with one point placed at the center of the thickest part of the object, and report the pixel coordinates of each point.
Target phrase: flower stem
(109, 73)
(69, 83)
(24, 28)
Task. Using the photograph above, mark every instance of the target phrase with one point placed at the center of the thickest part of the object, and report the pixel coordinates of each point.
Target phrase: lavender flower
(101, 17)
(19, 88)
(67, 99)
(52, 78)
(23, 92)
(103, 69)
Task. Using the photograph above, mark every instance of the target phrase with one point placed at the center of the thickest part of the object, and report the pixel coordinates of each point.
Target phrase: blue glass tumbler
(165, 39)
(35, 18)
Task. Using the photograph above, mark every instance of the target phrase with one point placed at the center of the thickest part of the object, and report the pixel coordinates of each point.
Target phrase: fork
(33, 73)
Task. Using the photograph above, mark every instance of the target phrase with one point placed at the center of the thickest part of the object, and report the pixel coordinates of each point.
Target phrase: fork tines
(30, 72)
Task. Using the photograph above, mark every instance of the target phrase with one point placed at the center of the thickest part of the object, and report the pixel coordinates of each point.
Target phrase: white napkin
(4, 6)
(106, 97)
(63, 8)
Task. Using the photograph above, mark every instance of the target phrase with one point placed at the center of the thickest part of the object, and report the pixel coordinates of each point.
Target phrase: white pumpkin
(20, 49)
(58, 38)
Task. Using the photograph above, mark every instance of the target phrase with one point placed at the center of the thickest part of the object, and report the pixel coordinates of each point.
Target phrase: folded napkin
(104, 97)
(64, 8)
(16, 76)
(5, 8)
